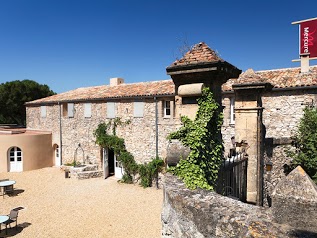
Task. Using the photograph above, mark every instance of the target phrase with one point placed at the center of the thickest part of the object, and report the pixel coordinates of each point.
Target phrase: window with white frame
(68, 109)
(111, 110)
(232, 113)
(167, 108)
(43, 111)
(138, 109)
(87, 110)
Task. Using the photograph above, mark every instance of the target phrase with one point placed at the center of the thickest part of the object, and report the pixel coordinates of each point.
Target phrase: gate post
(249, 128)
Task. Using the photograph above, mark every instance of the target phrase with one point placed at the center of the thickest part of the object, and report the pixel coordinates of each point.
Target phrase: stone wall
(227, 129)
(282, 111)
(139, 135)
(201, 213)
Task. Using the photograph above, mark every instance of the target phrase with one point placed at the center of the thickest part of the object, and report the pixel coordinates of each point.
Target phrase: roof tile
(154, 88)
(200, 53)
(279, 78)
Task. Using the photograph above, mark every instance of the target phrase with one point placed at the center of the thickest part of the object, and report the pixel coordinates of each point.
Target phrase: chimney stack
(304, 63)
(116, 81)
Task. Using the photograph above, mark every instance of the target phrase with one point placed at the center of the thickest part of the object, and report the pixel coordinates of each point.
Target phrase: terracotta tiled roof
(200, 53)
(279, 78)
(155, 88)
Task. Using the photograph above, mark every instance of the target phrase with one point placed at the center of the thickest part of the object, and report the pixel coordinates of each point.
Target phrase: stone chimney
(116, 81)
(304, 63)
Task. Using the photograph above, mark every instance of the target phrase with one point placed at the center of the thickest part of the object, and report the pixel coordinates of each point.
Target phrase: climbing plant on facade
(203, 137)
(130, 167)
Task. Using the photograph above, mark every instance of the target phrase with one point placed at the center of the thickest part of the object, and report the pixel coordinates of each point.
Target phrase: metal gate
(232, 176)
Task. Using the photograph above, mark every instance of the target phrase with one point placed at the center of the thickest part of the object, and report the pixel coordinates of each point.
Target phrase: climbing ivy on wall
(203, 137)
(147, 172)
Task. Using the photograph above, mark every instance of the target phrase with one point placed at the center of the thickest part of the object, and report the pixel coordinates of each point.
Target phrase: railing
(232, 177)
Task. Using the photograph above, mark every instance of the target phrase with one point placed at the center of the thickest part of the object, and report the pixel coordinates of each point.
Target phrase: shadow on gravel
(15, 192)
(14, 230)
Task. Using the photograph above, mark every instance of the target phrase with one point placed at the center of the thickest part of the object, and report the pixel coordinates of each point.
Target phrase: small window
(70, 109)
(87, 110)
(43, 111)
(232, 113)
(111, 110)
(138, 109)
(167, 108)
(189, 100)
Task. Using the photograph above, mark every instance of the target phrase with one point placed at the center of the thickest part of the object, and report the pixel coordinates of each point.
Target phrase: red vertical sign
(308, 38)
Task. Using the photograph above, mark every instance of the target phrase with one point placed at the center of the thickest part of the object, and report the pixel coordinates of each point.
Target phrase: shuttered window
(43, 111)
(138, 109)
(87, 110)
(111, 110)
(70, 109)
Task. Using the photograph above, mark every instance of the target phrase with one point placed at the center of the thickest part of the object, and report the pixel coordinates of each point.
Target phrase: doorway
(15, 160)
(111, 166)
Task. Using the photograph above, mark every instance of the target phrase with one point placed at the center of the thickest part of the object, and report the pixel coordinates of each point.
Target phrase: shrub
(305, 141)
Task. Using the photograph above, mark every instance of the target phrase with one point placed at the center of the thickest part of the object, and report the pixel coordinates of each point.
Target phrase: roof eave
(97, 99)
(199, 67)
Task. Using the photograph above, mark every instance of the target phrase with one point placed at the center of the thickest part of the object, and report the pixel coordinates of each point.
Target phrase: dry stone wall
(201, 213)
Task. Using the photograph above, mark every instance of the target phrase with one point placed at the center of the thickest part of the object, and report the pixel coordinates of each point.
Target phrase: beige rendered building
(22, 150)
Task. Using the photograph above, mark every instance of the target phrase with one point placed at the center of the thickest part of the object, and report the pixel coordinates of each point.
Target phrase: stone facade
(282, 111)
(139, 135)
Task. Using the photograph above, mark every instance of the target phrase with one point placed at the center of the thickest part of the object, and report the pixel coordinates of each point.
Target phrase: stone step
(89, 174)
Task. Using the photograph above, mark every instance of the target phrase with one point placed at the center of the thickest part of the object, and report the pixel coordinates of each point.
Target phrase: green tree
(13, 96)
(203, 137)
(305, 141)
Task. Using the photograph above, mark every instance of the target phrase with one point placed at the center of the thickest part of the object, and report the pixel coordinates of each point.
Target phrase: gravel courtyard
(59, 207)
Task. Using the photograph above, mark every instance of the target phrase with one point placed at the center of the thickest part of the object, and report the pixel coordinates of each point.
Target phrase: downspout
(60, 133)
(156, 136)
(156, 128)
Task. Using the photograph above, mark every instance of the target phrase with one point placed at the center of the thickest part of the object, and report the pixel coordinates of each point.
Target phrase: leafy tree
(305, 141)
(13, 96)
(203, 137)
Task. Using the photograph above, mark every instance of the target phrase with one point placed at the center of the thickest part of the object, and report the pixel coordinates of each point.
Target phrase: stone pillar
(249, 129)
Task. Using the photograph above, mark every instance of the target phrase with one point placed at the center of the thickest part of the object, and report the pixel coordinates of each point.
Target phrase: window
(68, 109)
(43, 111)
(138, 109)
(189, 100)
(167, 108)
(111, 110)
(232, 113)
(87, 110)
(15, 154)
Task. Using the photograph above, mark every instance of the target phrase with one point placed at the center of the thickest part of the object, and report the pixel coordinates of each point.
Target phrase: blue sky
(69, 44)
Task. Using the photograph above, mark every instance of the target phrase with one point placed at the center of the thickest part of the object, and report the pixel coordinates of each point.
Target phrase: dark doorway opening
(111, 162)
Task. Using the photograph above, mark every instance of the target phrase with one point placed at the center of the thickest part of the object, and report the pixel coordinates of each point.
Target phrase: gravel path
(59, 207)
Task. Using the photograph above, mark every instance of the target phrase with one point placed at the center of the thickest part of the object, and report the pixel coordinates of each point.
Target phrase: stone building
(154, 109)
(262, 108)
